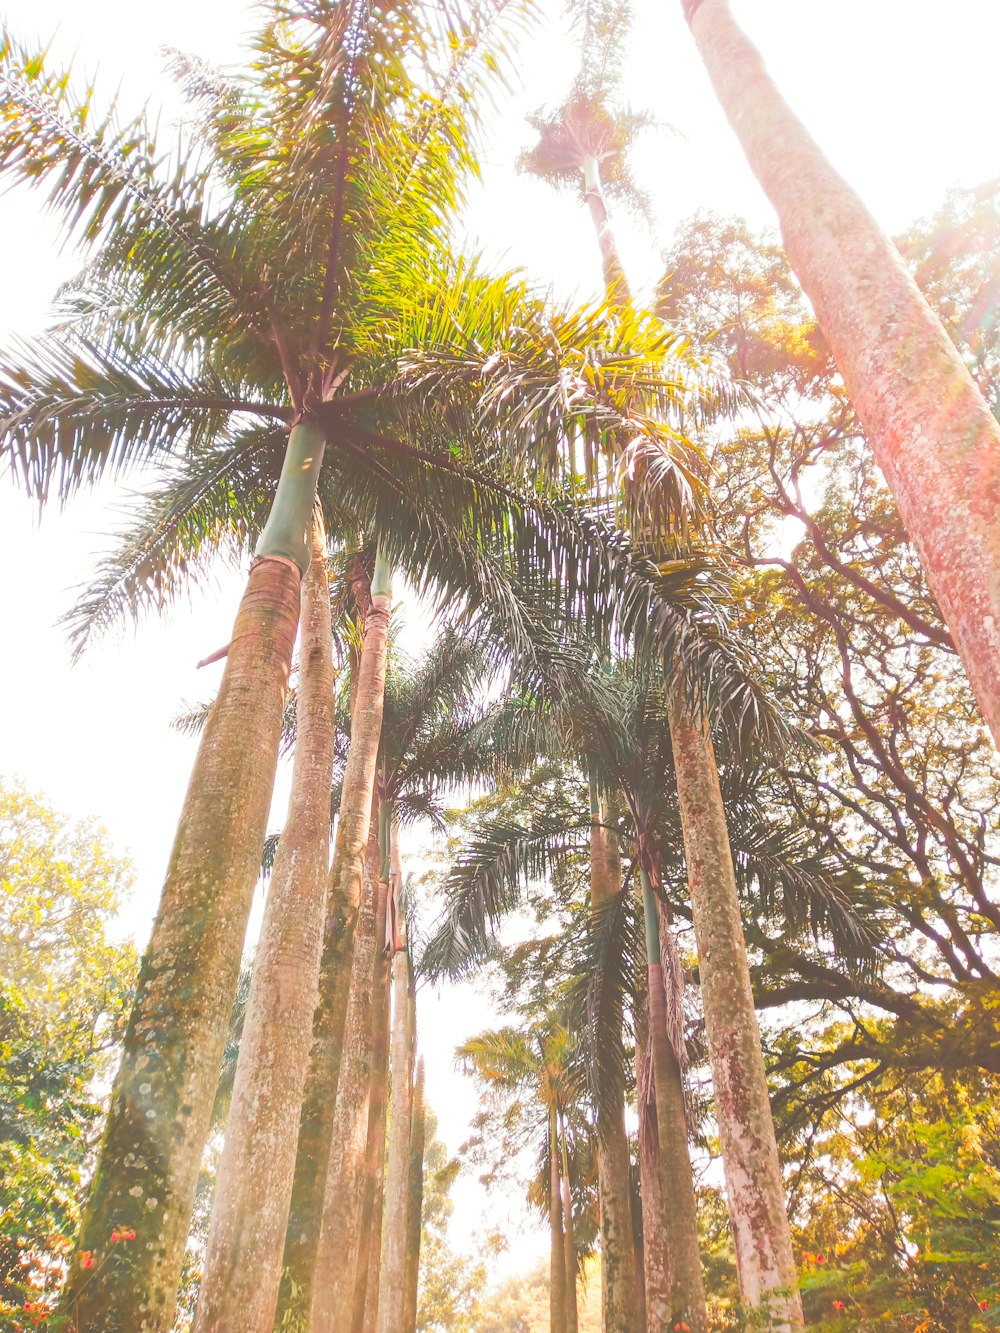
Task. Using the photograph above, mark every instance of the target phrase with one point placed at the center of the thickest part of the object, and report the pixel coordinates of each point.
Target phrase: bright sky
(901, 94)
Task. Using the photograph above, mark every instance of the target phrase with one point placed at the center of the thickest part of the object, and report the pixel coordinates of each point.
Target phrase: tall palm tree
(933, 436)
(577, 140)
(538, 1068)
(191, 336)
(392, 1277)
(619, 728)
(329, 1300)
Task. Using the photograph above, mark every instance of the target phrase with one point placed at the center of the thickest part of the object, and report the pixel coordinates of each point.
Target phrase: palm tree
(933, 436)
(329, 1300)
(577, 140)
(191, 336)
(538, 1069)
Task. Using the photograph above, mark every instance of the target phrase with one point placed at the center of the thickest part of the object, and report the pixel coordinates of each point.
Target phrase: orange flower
(984, 1305)
(128, 1233)
(87, 1259)
(839, 1305)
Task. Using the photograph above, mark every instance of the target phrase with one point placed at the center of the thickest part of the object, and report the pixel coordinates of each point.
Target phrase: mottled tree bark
(242, 1270)
(414, 1203)
(569, 1239)
(393, 1271)
(680, 1215)
(557, 1257)
(346, 877)
(934, 437)
(655, 1254)
(618, 1293)
(370, 1223)
(754, 1185)
(161, 1104)
(340, 1235)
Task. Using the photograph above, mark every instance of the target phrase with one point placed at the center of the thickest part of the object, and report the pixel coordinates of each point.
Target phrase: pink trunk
(932, 434)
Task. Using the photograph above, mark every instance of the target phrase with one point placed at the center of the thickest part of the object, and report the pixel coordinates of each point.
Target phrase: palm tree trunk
(344, 896)
(767, 1266)
(370, 1222)
(392, 1278)
(557, 1258)
(414, 1203)
(754, 1185)
(933, 436)
(618, 1292)
(615, 282)
(656, 1260)
(161, 1104)
(340, 1236)
(655, 1254)
(680, 1216)
(569, 1240)
(242, 1270)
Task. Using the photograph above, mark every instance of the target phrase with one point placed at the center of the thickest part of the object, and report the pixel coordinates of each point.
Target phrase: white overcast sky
(900, 93)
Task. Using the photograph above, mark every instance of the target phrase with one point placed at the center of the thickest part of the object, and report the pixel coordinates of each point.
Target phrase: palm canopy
(290, 261)
(594, 122)
(618, 737)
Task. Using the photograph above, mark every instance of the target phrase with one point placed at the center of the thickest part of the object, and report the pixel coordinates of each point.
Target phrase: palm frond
(216, 499)
(487, 882)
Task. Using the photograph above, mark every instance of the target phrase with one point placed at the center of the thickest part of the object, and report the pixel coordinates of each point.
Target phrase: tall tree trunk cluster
(299, 1227)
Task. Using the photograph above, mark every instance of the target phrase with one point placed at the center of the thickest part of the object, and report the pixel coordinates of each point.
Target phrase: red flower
(115, 1238)
(839, 1305)
(127, 1233)
(984, 1305)
(87, 1259)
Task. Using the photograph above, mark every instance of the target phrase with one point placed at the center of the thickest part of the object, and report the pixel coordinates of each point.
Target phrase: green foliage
(63, 1001)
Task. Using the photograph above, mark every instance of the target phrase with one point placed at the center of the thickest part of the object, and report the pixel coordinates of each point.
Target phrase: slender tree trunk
(340, 1234)
(615, 283)
(414, 1204)
(680, 1216)
(346, 877)
(767, 1270)
(161, 1104)
(393, 1271)
(933, 436)
(242, 1270)
(369, 1228)
(557, 1258)
(569, 1239)
(754, 1185)
(618, 1293)
(656, 1256)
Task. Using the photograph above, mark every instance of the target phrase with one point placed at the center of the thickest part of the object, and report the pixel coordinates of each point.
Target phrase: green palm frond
(602, 995)
(487, 882)
(215, 500)
(107, 179)
(73, 412)
(786, 877)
